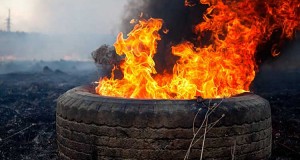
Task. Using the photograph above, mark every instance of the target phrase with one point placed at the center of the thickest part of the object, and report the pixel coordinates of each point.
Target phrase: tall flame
(224, 67)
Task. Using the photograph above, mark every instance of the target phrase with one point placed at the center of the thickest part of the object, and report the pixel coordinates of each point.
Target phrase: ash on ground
(28, 102)
(27, 108)
(282, 89)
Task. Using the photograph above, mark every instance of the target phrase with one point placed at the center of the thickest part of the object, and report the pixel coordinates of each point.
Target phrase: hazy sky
(63, 16)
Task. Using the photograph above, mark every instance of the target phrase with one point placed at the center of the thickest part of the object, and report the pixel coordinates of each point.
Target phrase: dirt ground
(28, 101)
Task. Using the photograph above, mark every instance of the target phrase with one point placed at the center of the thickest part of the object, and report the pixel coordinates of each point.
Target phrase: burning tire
(90, 126)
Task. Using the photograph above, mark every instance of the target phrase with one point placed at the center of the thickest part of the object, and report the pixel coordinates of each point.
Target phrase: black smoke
(178, 19)
(181, 20)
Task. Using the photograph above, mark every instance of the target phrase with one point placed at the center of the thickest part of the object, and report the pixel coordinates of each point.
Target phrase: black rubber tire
(90, 126)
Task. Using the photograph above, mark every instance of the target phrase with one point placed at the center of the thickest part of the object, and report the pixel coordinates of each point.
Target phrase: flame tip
(224, 66)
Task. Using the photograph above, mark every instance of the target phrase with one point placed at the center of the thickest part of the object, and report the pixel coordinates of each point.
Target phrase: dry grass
(204, 125)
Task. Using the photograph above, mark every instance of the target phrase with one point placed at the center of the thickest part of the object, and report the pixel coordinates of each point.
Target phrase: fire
(223, 67)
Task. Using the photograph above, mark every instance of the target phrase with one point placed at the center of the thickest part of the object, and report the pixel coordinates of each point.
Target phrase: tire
(90, 126)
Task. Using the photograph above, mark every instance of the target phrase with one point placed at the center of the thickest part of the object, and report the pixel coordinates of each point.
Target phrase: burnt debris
(28, 102)
(27, 109)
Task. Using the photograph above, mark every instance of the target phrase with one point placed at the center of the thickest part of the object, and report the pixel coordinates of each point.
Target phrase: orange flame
(224, 67)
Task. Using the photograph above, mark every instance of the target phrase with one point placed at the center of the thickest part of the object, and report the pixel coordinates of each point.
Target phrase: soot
(178, 19)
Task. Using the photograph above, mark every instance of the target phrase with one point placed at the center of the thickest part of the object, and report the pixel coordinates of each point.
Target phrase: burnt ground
(27, 111)
(282, 90)
(28, 101)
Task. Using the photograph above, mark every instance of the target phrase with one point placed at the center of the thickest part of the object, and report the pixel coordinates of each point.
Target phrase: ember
(224, 67)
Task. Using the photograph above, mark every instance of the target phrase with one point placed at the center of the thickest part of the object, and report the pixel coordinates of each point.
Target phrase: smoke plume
(178, 19)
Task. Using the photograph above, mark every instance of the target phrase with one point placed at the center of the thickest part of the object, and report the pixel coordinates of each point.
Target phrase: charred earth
(27, 106)
(28, 101)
